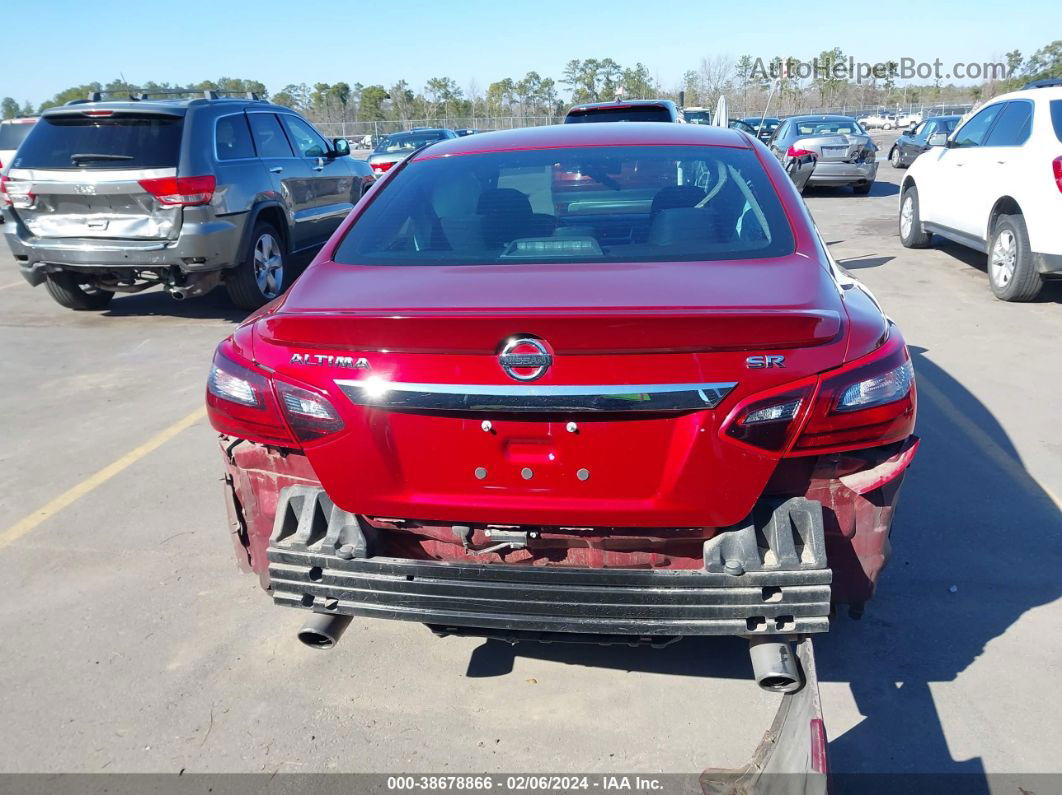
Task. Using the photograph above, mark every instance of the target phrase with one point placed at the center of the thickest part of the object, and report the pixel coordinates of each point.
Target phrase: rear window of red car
(607, 204)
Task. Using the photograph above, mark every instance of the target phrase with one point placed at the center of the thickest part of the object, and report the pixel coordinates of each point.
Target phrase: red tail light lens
(245, 402)
(381, 167)
(865, 403)
(16, 193)
(869, 401)
(769, 420)
(181, 191)
(309, 414)
(240, 403)
(794, 152)
(1056, 169)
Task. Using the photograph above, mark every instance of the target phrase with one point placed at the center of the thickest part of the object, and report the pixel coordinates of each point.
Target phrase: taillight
(309, 414)
(247, 403)
(1056, 168)
(16, 193)
(382, 167)
(794, 152)
(181, 191)
(865, 403)
(769, 420)
(868, 401)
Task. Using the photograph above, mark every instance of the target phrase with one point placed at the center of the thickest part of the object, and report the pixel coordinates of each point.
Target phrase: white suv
(995, 185)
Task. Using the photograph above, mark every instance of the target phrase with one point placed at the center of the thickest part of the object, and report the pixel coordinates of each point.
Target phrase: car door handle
(320, 164)
(276, 169)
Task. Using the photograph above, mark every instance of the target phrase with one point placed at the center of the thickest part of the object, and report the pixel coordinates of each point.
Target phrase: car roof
(159, 105)
(1043, 93)
(628, 103)
(816, 117)
(560, 136)
(418, 130)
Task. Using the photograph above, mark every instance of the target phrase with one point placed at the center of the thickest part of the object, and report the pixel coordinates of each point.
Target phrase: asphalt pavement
(131, 643)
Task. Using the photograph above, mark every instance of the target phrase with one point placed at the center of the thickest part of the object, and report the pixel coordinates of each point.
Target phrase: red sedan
(595, 379)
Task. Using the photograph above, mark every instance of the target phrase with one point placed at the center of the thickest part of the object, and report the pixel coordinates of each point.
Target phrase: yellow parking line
(12, 284)
(986, 443)
(28, 523)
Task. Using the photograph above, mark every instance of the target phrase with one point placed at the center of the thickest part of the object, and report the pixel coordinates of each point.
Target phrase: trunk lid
(77, 175)
(621, 429)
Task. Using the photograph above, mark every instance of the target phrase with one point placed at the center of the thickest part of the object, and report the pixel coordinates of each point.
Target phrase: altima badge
(324, 360)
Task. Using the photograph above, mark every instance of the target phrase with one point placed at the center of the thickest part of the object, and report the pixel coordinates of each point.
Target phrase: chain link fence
(366, 133)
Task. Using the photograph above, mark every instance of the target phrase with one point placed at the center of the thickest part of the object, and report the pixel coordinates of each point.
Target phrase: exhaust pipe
(177, 295)
(774, 665)
(323, 630)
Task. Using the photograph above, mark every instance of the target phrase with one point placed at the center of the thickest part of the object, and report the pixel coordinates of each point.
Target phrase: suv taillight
(245, 402)
(5, 199)
(867, 402)
(1056, 168)
(181, 191)
(381, 167)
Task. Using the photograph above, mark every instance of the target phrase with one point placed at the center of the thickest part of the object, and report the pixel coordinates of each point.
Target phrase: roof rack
(140, 96)
(1047, 82)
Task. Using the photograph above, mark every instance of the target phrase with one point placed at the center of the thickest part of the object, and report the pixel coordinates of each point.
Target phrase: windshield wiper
(79, 157)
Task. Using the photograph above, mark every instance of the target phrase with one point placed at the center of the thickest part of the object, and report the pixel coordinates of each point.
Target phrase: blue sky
(53, 44)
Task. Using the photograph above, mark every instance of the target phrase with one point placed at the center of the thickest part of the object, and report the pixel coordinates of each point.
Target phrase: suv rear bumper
(783, 588)
(202, 246)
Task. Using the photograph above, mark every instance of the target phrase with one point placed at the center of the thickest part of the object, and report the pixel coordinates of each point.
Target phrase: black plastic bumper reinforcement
(765, 578)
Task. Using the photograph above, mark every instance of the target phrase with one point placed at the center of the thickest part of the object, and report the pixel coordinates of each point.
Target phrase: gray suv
(118, 196)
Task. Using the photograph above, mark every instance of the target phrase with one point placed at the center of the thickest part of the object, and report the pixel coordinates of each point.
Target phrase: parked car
(697, 115)
(396, 147)
(516, 396)
(843, 151)
(764, 127)
(884, 121)
(912, 143)
(908, 120)
(995, 185)
(744, 126)
(12, 133)
(105, 197)
(624, 110)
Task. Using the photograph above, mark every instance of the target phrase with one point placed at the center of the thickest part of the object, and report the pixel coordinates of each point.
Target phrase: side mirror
(907, 131)
(341, 146)
(938, 139)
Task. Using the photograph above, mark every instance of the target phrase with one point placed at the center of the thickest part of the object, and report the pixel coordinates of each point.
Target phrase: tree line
(743, 80)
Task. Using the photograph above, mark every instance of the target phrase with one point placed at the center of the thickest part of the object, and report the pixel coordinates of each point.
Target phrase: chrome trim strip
(535, 397)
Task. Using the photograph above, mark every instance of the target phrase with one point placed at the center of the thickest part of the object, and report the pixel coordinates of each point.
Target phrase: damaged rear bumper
(768, 577)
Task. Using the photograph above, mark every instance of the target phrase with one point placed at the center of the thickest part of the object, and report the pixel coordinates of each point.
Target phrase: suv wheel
(1011, 272)
(863, 188)
(259, 278)
(67, 291)
(911, 233)
(894, 158)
